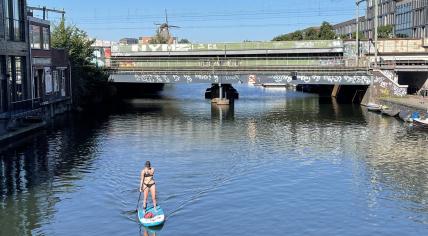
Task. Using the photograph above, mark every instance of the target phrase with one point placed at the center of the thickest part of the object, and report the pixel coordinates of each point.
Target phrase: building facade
(50, 67)
(408, 18)
(347, 29)
(35, 79)
(386, 15)
(15, 91)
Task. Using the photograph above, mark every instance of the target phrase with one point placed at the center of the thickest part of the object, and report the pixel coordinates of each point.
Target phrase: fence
(318, 44)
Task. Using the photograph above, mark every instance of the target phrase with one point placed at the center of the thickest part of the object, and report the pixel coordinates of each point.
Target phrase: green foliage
(159, 39)
(353, 36)
(296, 35)
(385, 32)
(90, 83)
(184, 41)
(75, 41)
(311, 34)
(360, 35)
(325, 32)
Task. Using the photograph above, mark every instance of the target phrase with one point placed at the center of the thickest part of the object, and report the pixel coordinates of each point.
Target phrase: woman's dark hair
(148, 164)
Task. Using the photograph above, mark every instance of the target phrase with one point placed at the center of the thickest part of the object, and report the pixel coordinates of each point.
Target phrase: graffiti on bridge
(243, 78)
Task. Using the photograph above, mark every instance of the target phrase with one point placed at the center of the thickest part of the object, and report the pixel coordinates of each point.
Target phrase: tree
(353, 36)
(326, 31)
(89, 82)
(283, 37)
(159, 39)
(311, 34)
(184, 41)
(385, 32)
(297, 35)
(360, 35)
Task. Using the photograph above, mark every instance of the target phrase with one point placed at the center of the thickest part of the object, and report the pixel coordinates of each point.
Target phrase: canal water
(277, 163)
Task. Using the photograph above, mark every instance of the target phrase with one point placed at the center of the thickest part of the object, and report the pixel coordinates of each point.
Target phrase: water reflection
(398, 165)
(151, 231)
(221, 112)
(32, 174)
(315, 163)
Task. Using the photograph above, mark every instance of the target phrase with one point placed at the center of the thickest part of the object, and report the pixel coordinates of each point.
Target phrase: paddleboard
(151, 217)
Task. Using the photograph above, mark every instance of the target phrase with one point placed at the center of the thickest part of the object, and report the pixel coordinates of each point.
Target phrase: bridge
(401, 63)
(298, 62)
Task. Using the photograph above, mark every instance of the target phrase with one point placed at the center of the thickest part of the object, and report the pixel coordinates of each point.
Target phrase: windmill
(163, 31)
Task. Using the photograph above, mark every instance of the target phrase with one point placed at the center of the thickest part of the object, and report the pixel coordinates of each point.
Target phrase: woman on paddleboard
(147, 183)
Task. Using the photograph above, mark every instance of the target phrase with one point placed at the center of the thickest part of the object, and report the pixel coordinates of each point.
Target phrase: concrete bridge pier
(222, 94)
(344, 94)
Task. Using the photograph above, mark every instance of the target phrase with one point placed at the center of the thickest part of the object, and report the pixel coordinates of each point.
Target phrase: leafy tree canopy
(385, 32)
(184, 41)
(89, 83)
(324, 32)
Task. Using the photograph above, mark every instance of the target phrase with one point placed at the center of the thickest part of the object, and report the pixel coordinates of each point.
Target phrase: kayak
(151, 217)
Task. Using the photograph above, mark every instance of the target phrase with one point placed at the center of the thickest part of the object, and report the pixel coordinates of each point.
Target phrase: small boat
(422, 123)
(409, 117)
(374, 107)
(151, 217)
(405, 116)
(389, 112)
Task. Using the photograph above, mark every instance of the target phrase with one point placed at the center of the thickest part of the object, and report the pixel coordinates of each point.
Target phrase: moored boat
(374, 107)
(423, 123)
(408, 117)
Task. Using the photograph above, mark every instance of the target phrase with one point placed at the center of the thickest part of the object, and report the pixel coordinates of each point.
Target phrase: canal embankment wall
(20, 124)
(408, 104)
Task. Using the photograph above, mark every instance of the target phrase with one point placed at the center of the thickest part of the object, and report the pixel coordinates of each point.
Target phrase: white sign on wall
(48, 80)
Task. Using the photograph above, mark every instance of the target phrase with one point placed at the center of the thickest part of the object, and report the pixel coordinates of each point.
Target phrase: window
(46, 38)
(14, 20)
(19, 90)
(35, 37)
(16, 71)
(6, 19)
(3, 86)
(55, 81)
(63, 85)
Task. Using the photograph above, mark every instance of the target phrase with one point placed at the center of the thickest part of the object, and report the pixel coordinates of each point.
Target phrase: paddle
(139, 197)
(138, 203)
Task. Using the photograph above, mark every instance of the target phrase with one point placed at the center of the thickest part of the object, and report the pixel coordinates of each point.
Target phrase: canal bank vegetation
(90, 83)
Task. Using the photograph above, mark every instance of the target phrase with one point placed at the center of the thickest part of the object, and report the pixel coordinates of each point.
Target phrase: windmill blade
(173, 26)
(166, 16)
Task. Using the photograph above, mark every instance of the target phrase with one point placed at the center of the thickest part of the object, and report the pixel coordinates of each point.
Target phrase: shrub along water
(90, 84)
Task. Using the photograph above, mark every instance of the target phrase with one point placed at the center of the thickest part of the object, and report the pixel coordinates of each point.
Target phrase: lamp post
(357, 29)
(376, 21)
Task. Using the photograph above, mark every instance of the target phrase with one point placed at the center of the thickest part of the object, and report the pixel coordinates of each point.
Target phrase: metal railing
(311, 44)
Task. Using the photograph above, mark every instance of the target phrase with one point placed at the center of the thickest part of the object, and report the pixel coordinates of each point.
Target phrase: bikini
(146, 175)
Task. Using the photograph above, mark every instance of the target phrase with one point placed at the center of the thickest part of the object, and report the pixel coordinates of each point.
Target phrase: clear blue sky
(200, 20)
